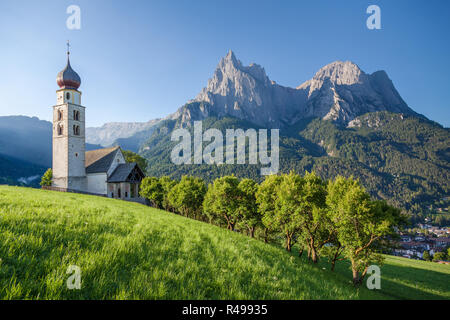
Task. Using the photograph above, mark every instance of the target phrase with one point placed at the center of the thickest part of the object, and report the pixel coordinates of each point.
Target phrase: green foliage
(167, 184)
(265, 199)
(312, 214)
(439, 256)
(248, 209)
(401, 159)
(152, 190)
(131, 156)
(285, 216)
(47, 178)
(187, 196)
(426, 255)
(221, 202)
(360, 223)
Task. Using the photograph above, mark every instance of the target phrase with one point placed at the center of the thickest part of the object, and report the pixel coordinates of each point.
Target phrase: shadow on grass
(401, 282)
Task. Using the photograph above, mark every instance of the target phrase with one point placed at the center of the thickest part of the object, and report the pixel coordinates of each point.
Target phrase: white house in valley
(102, 172)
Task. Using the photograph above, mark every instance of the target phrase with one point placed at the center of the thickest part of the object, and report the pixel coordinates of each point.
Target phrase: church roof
(126, 172)
(100, 160)
(68, 78)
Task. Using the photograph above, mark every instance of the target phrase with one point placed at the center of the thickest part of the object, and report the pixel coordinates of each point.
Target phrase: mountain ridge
(339, 91)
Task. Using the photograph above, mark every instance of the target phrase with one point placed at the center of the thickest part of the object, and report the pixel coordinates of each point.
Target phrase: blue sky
(140, 60)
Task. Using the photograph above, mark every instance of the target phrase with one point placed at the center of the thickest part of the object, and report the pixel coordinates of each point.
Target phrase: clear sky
(140, 60)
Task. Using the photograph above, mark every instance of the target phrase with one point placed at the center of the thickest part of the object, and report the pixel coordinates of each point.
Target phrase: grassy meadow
(130, 251)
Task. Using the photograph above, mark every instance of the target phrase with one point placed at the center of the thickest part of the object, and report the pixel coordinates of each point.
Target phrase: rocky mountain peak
(339, 91)
(340, 73)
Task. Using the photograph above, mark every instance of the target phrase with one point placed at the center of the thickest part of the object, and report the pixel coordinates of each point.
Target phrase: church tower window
(68, 96)
(76, 130)
(76, 115)
(60, 115)
(60, 130)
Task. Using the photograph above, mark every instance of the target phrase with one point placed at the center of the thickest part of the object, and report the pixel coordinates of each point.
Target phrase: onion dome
(68, 78)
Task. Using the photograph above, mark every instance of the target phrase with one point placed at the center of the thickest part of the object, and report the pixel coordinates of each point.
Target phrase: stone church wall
(96, 183)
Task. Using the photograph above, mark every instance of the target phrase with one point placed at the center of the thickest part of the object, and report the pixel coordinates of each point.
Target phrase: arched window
(76, 130)
(60, 115)
(76, 115)
(68, 96)
(60, 130)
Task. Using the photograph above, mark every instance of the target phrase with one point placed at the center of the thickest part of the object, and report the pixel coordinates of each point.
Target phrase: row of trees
(336, 219)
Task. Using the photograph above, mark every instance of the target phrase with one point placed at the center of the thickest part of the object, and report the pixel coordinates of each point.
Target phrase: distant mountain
(28, 139)
(339, 91)
(25, 138)
(342, 121)
(14, 171)
(129, 133)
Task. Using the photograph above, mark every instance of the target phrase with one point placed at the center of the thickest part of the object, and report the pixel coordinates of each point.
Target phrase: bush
(46, 180)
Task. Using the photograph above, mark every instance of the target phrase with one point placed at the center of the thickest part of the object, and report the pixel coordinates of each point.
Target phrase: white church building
(101, 172)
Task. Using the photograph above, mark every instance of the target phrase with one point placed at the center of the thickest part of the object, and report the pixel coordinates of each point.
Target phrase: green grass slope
(129, 251)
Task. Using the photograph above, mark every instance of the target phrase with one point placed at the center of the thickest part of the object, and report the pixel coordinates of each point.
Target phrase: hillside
(403, 159)
(127, 250)
(17, 172)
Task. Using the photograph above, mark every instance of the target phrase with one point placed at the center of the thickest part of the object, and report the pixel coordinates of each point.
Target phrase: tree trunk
(252, 232)
(288, 242)
(356, 278)
(300, 252)
(313, 251)
(266, 235)
(309, 253)
(335, 257)
(314, 257)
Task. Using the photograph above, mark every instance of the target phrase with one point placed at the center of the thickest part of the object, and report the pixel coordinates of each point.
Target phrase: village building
(102, 172)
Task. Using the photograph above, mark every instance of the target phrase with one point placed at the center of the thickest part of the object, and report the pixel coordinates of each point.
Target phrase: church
(101, 172)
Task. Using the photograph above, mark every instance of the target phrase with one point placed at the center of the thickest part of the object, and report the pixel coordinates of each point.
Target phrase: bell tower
(69, 132)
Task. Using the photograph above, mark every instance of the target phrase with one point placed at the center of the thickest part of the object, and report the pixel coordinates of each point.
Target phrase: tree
(221, 202)
(312, 215)
(248, 210)
(46, 180)
(152, 190)
(360, 223)
(167, 184)
(187, 196)
(284, 217)
(265, 200)
(426, 255)
(439, 256)
(131, 156)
